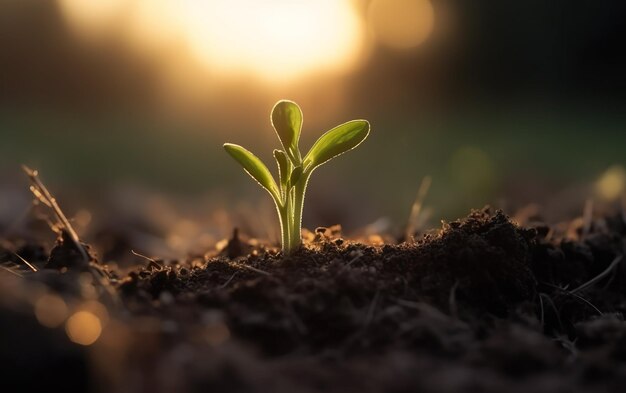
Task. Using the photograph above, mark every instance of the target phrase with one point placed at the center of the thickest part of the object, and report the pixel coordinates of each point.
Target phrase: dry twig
(44, 196)
(416, 209)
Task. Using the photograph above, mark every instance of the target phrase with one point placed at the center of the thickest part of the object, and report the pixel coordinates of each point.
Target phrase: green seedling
(293, 170)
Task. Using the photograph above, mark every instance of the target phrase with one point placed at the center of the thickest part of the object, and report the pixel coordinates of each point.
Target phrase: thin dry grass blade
(416, 209)
(33, 268)
(42, 194)
(599, 277)
(587, 217)
(10, 271)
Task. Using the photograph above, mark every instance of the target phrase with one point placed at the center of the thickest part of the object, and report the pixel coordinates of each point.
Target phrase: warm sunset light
(276, 40)
(92, 16)
(401, 24)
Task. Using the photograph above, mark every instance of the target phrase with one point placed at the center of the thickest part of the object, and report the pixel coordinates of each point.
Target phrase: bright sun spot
(276, 40)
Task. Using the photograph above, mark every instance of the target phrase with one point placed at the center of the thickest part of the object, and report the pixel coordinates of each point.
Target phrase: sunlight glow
(91, 16)
(276, 40)
(401, 24)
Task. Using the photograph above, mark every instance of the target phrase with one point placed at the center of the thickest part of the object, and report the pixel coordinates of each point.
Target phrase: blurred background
(123, 106)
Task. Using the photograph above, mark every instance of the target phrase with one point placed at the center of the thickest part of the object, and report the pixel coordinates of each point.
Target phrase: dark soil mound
(482, 305)
(336, 293)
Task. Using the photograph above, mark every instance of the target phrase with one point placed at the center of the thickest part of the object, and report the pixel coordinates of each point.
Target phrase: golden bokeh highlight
(96, 308)
(612, 183)
(83, 328)
(275, 40)
(51, 310)
(401, 24)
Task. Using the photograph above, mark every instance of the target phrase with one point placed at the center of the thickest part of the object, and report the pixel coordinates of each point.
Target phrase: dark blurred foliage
(562, 50)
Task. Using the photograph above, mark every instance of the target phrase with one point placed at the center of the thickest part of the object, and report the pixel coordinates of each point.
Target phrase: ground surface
(481, 305)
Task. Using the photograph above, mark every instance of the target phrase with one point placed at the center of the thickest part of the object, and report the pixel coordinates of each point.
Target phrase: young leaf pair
(293, 170)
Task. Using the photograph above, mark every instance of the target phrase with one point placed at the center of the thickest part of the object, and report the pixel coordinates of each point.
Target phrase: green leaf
(335, 142)
(295, 176)
(283, 166)
(287, 121)
(254, 167)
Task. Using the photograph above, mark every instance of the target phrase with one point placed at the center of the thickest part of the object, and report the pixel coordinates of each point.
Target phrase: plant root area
(481, 305)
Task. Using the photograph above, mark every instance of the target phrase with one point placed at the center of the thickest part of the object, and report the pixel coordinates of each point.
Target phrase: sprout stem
(298, 205)
(283, 217)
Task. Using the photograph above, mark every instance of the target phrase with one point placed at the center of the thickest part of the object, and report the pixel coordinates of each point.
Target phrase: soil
(481, 305)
